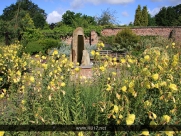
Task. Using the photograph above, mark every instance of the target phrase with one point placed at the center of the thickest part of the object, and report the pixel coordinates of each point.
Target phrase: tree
(151, 20)
(67, 17)
(37, 14)
(107, 18)
(77, 20)
(138, 16)
(144, 21)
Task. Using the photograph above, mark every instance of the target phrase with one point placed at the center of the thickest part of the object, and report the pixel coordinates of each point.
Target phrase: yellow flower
(173, 87)
(124, 88)
(145, 132)
(93, 52)
(123, 61)
(2, 133)
(131, 84)
(163, 83)
(113, 73)
(80, 134)
(32, 79)
(55, 52)
(166, 118)
(102, 68)
(147, 58)
(120, 116)
(169, 131)
(173, 44)
(62, 84)
(114, 59)
(147, 103)
(43, 57)
(130, 119)
(18, 73)
(77, 69)
(97, 53)
(115, 109)
(108, 87)
(44, 66)
(155, 77)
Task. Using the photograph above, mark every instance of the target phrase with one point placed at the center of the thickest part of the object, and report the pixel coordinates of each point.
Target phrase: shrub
(127, 39)
(41, 46)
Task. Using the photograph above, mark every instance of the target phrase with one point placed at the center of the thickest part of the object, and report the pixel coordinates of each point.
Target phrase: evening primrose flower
(173, 87)
(147, 58)
(124, 88)
(97, 53)
(155, 77)
(130, 119)
(93, 52)
(145, 132)
(77, 69)
(123, 61)
(166, 118)
(108, 87)
(32, 79)
(113, 73)
(116, 109)
(55, 52)
(2, 133)
(102, 68)
(80, 134)
(169, 131)
(62, 84)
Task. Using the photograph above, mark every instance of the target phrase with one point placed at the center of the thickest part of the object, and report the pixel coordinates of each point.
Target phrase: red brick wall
(161, 31)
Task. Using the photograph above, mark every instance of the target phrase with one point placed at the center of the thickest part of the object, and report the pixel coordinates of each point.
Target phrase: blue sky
(125, 9)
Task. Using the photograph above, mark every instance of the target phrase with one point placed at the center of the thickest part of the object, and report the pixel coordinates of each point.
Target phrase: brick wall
(161, 31)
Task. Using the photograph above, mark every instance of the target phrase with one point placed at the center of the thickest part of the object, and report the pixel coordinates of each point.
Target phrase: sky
(124, 9)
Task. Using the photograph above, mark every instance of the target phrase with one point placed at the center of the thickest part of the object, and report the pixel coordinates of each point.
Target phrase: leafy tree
(37, 14)
(151, 20)
(138, 17)
(77, 20)
(107, 18)
(67, 17)
(144, 21)
(160, 18)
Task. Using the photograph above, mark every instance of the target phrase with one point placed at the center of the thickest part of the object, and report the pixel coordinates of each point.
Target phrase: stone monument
(78, 52)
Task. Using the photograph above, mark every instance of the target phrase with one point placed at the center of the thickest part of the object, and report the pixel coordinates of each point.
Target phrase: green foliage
(151, 20)
(41, 46)
(62, 49)
(77, 19)
(126, 39)
(108, 39)
(169, 16)
(31, 35)
(138, 17)
(144, 21)
(141, 16)
(34, 11)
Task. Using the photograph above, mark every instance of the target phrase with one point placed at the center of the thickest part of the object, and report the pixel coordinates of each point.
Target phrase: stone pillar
(77, 46)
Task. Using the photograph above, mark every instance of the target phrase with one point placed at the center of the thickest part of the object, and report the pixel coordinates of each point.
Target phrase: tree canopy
(141, 16)
(37, 14)
(169, 16)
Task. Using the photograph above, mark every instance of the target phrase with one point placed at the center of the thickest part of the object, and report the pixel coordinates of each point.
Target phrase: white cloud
(79, 3)
(125, 14)
(154, 11)
(54, 17)
(175, 2)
